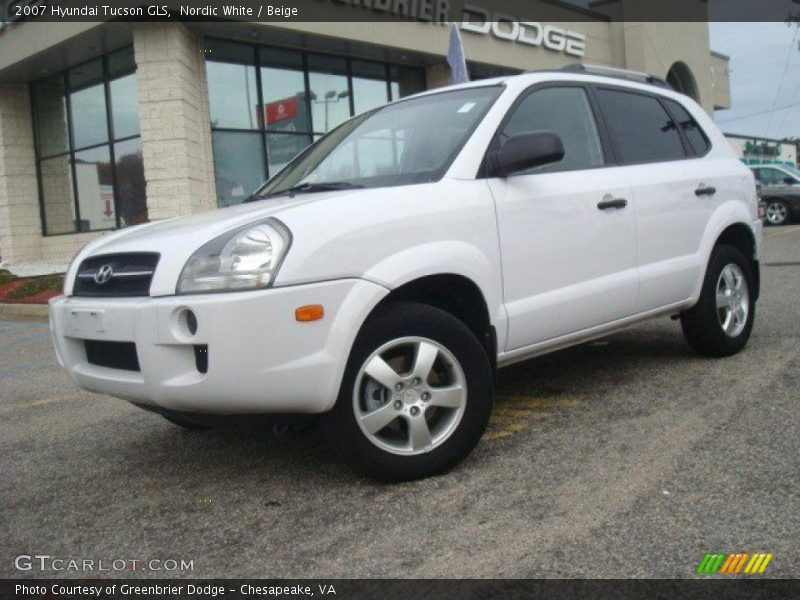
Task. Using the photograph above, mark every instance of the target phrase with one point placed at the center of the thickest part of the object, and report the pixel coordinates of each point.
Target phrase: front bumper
(260, 359)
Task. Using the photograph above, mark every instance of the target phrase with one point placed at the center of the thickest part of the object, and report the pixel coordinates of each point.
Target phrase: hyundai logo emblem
(103, 274)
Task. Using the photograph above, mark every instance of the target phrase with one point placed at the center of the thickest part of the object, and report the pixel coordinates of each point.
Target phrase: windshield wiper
(308, 188)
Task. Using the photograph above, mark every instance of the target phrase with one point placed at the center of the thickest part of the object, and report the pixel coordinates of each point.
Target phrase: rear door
(568, 264)
(674, 190)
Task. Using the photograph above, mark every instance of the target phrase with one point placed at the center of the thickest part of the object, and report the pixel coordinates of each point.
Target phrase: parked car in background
(780, 190)
(762, 206)
(381, 277)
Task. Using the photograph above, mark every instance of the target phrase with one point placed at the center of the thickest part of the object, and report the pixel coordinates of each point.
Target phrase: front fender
(446, 257)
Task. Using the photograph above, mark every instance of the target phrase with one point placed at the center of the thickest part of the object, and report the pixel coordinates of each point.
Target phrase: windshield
(794, 172)
(412, 141)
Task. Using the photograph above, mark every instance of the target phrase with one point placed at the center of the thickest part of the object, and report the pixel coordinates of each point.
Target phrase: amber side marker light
(311, 312)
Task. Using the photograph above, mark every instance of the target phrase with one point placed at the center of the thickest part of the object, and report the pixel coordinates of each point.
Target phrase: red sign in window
(280, 110)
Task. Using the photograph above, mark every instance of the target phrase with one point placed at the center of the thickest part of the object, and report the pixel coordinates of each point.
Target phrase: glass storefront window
(232, 95)
(222, 50)
(406, 81)
(88, 146)
(283, 92)
(95, 189)
(129, 180)
(121, 62)
(88, 104)
(124, 106)
(301, 96)
(239, 165)
(282, 148)
(369, 86)
(50, 106)
(328, 92)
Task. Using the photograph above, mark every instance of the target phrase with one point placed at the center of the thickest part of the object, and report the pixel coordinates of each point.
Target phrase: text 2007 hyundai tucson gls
(380, 278)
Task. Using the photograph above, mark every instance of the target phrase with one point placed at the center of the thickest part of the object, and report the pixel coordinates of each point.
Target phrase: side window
(694, 133)
(563, 111)
(759, 173)
(770, 176)
(641, 128)
(775, 177)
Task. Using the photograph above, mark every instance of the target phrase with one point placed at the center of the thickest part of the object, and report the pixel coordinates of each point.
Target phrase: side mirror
(526, 151)
(789, 180)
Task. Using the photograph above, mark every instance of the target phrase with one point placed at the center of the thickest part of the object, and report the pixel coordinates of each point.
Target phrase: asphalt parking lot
(628, 457)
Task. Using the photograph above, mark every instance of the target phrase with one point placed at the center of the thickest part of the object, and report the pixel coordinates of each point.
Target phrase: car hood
(178, 238)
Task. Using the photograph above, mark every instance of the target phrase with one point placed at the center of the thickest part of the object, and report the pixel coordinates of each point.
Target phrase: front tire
(722, 320)
(416, 395)
(777, 212)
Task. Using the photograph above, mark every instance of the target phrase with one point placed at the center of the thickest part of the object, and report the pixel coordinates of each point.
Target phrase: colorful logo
(734, 563)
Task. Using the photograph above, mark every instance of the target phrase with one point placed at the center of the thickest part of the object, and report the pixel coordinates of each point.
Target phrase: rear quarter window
(698, 139)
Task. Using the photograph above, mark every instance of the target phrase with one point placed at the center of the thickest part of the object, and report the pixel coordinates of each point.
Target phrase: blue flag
(456, 59)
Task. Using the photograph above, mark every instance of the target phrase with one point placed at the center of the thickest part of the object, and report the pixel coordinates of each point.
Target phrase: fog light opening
(187, 322)
(201, 357)
(191, 322)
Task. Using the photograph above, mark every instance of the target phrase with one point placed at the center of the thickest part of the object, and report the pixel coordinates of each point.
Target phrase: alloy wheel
(733, 300)
(410, 395)
(777, 213)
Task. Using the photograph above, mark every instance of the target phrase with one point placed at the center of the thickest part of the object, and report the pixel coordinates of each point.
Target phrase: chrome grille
(116, 275)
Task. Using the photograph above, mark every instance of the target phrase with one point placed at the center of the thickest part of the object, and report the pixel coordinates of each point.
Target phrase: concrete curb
(37, 311)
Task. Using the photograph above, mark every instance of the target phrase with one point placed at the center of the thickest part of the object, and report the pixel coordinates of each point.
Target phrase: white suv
(382, 276)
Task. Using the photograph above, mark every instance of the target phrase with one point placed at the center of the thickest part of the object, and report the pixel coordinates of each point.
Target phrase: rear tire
(778, 212)
(416, 395)
(722, 320)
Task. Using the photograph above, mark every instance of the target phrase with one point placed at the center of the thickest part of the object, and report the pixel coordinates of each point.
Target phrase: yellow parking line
(769, 236)
(534, 402)
(513, 414)
(496, 435)
(502, 411)
(14, 407)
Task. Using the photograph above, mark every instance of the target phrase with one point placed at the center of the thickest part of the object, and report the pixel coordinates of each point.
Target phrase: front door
(567, 230)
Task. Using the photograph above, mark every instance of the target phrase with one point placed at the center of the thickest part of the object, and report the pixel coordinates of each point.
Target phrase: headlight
(246, 258)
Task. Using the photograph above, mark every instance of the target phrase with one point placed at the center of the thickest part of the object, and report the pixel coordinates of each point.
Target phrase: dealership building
(764, 151)
(109, 124)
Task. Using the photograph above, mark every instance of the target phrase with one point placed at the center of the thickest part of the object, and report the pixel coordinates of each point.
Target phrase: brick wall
(20, 225)
(59, 249)
(174, 117)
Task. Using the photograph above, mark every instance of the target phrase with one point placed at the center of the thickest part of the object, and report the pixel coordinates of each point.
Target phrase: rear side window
(694, 133)
(642, 130)
(566, 112)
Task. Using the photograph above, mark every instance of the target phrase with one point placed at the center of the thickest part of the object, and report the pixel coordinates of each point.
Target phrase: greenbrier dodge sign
(482, 21)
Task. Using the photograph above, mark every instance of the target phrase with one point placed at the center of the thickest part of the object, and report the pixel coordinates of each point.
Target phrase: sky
(765, 74)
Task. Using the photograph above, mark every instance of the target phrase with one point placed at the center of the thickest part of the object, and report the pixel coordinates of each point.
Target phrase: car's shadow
(233, 452)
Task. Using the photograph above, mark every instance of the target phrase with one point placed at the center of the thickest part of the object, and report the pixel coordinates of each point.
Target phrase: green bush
(6, 277)
(34, 285)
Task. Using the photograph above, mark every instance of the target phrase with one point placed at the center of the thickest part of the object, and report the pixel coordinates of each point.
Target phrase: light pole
(330, 97)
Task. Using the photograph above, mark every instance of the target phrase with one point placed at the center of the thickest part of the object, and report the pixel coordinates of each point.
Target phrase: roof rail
(604, 71)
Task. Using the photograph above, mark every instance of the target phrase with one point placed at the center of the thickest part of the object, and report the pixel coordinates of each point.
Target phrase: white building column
(20, 223)
(175, 121)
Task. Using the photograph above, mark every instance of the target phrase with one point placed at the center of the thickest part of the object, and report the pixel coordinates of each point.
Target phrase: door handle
(610, 202)
(705, 191)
